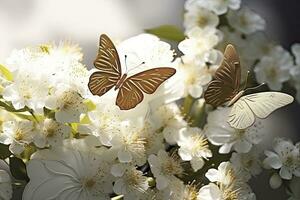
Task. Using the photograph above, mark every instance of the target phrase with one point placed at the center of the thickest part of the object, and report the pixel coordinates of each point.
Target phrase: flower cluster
(79, 146)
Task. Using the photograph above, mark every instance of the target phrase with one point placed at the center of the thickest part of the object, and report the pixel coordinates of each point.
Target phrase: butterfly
(225, 88)
(131, 88)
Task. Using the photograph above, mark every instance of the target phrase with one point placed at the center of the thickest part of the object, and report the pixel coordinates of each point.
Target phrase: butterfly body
(120, 81)
(131, 88)
(244, 109)
(236, 97)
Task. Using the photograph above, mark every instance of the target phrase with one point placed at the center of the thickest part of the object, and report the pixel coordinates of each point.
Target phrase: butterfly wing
(109, 66)
(264, 103)
(129, 96)
(241, 115)
(259, 104)
(225, 84)
(130, 93)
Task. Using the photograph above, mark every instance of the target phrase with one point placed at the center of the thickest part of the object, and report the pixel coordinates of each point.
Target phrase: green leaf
(6, 73)
(168, 32)
(4, 151)
(90, 105)
(18, 168)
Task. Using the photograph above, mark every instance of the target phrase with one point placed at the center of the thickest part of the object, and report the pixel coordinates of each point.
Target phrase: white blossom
(27, 89)
(295, 71)
(195, 76)
(273, 69)
(197, 16)
(286, 157)
(130, 182)
(220, 133)
(52, 133)
(164, 168)
(18, 134)
(218, 6)
(246, 21)
(199, 44)
(168, 120)
(227, 184)
(247, 164)
(67, 103)
(72, 175)
(193, 147)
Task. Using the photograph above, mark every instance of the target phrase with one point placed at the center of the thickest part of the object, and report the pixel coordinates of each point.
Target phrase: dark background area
(283, 25)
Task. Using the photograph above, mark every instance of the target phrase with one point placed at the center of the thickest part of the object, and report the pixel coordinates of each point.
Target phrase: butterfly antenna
(137, 66)
(126, 63)
(246, 82)
(254, 88)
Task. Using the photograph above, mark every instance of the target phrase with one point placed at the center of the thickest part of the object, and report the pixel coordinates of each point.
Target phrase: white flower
(73, 175)
(56, 64)
(18, 134)
(193, 147)
(220, 133)
(199, 44)
(218, 6)
(273, 69)
(213, 191)
(27, 90)
(129, 144)
(164, 168)
(130, 182)
(105, 120)
(295, 71)
(169, 121)
(198, 16)
(246, 21)
(67, 103)
(285, 157)
(247, 164)
(259, 45)
(154, 139)
(52, 133)
(195, 76)
(210, 192)
(227, 185)
(175, 190)
(5, 185)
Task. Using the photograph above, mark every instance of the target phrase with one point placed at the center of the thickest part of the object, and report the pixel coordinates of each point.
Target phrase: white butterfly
(225, 88)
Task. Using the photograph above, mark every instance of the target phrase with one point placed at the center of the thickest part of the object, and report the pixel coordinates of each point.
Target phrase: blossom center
(272, 73)
(89, 183)
(19, 135)
(69, 100)
(172, 167)
(202, 21)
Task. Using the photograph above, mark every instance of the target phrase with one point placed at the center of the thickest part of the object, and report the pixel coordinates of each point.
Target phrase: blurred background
(31, 22)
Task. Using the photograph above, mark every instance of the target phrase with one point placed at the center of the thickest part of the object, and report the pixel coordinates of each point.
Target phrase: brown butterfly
(225, 85)
(245, 109)
(110, 74)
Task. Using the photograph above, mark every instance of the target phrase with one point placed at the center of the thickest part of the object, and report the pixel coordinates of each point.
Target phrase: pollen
(89, 183)
(200, 143)
(19, 135)
(172, 166)
(202, 21)
(69, 100)
(135, 144)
